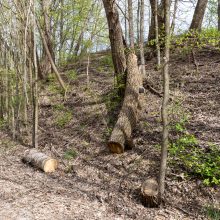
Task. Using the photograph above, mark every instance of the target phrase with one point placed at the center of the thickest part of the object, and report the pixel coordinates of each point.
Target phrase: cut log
(149, 192)
(122, 132)
(40, 160)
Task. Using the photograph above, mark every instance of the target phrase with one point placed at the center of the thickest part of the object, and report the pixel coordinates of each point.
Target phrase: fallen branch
(148, 87)
(60, 80)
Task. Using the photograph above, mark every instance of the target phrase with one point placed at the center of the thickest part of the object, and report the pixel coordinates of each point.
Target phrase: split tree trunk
(40, 160)
(121, 134)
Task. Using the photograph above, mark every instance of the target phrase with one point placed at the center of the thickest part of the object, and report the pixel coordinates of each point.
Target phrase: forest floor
(91, 183)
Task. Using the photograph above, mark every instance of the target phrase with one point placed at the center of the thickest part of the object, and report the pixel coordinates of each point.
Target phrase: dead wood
(149, 192)
(148, 87)
(40, 160)
(122, 132)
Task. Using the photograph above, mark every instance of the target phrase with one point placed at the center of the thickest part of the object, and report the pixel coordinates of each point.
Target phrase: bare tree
(157, 34)
(219, 15)
(164, 110)
(160, 16)
(142, 37)
(131, 24)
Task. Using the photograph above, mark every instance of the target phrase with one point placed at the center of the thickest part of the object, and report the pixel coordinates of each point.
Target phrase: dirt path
(96, 184)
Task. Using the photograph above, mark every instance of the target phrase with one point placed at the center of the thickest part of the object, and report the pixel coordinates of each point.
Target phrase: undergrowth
(185, 151)
(63, 115)
(212, 213)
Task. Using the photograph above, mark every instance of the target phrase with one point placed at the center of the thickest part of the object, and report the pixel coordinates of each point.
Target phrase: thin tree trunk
(60, 80)
(46, 66)
(157, 35)
(131, 23)
(164, 110)
(138, 20)
(126, 29)
(174, 16)
(198, 15)
(35, 90)
(219, 15)
(142, 37)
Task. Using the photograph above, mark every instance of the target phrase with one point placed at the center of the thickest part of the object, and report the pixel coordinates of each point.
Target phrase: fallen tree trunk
(121, 134)
(40, 160)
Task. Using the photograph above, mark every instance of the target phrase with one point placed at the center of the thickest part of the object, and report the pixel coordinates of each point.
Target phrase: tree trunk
(131, 24)
(53, 66)
(160, 15)
(121, 134)
(116, 39)
(164, 109)
(149, 192)
(157, 35)
(142, 37)
(198, 15)
(174, 16)
(46, 64)
(219, 15)
(40, 160)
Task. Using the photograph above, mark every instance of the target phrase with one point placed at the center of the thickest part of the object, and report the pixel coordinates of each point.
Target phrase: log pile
(122, 132)
(40, 160)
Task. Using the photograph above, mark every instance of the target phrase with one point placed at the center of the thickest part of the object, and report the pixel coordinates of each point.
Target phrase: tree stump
(121, 134)
(149, 193)
(40, 160)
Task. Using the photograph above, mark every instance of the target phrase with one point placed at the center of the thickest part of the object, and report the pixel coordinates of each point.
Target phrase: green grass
(70, 154)
(63, 119)
(212, 213)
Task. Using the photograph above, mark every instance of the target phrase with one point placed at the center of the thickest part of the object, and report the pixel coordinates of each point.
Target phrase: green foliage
(112, 100)
(106, 61)
(196, 39)
(212, 213)
(63, 115)
(202, 162)
(59, 107)
(2, 123)
(63, 119)
(72, 75)
(70, 154)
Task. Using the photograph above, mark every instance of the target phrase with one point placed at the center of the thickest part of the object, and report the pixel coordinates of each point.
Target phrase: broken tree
(122, 132)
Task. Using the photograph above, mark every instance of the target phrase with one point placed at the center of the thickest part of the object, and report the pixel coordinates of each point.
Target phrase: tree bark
(46, 66)
(158, 10)
(142, 37)
(164, 110)
(61, 82)
(149, 192)
(219, 15)
(122, 132)
(198, 15)
(116, 40)
(40, 160)
(131, 23)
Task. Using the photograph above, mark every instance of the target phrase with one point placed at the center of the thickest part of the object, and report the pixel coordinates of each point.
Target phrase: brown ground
(97, 184)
